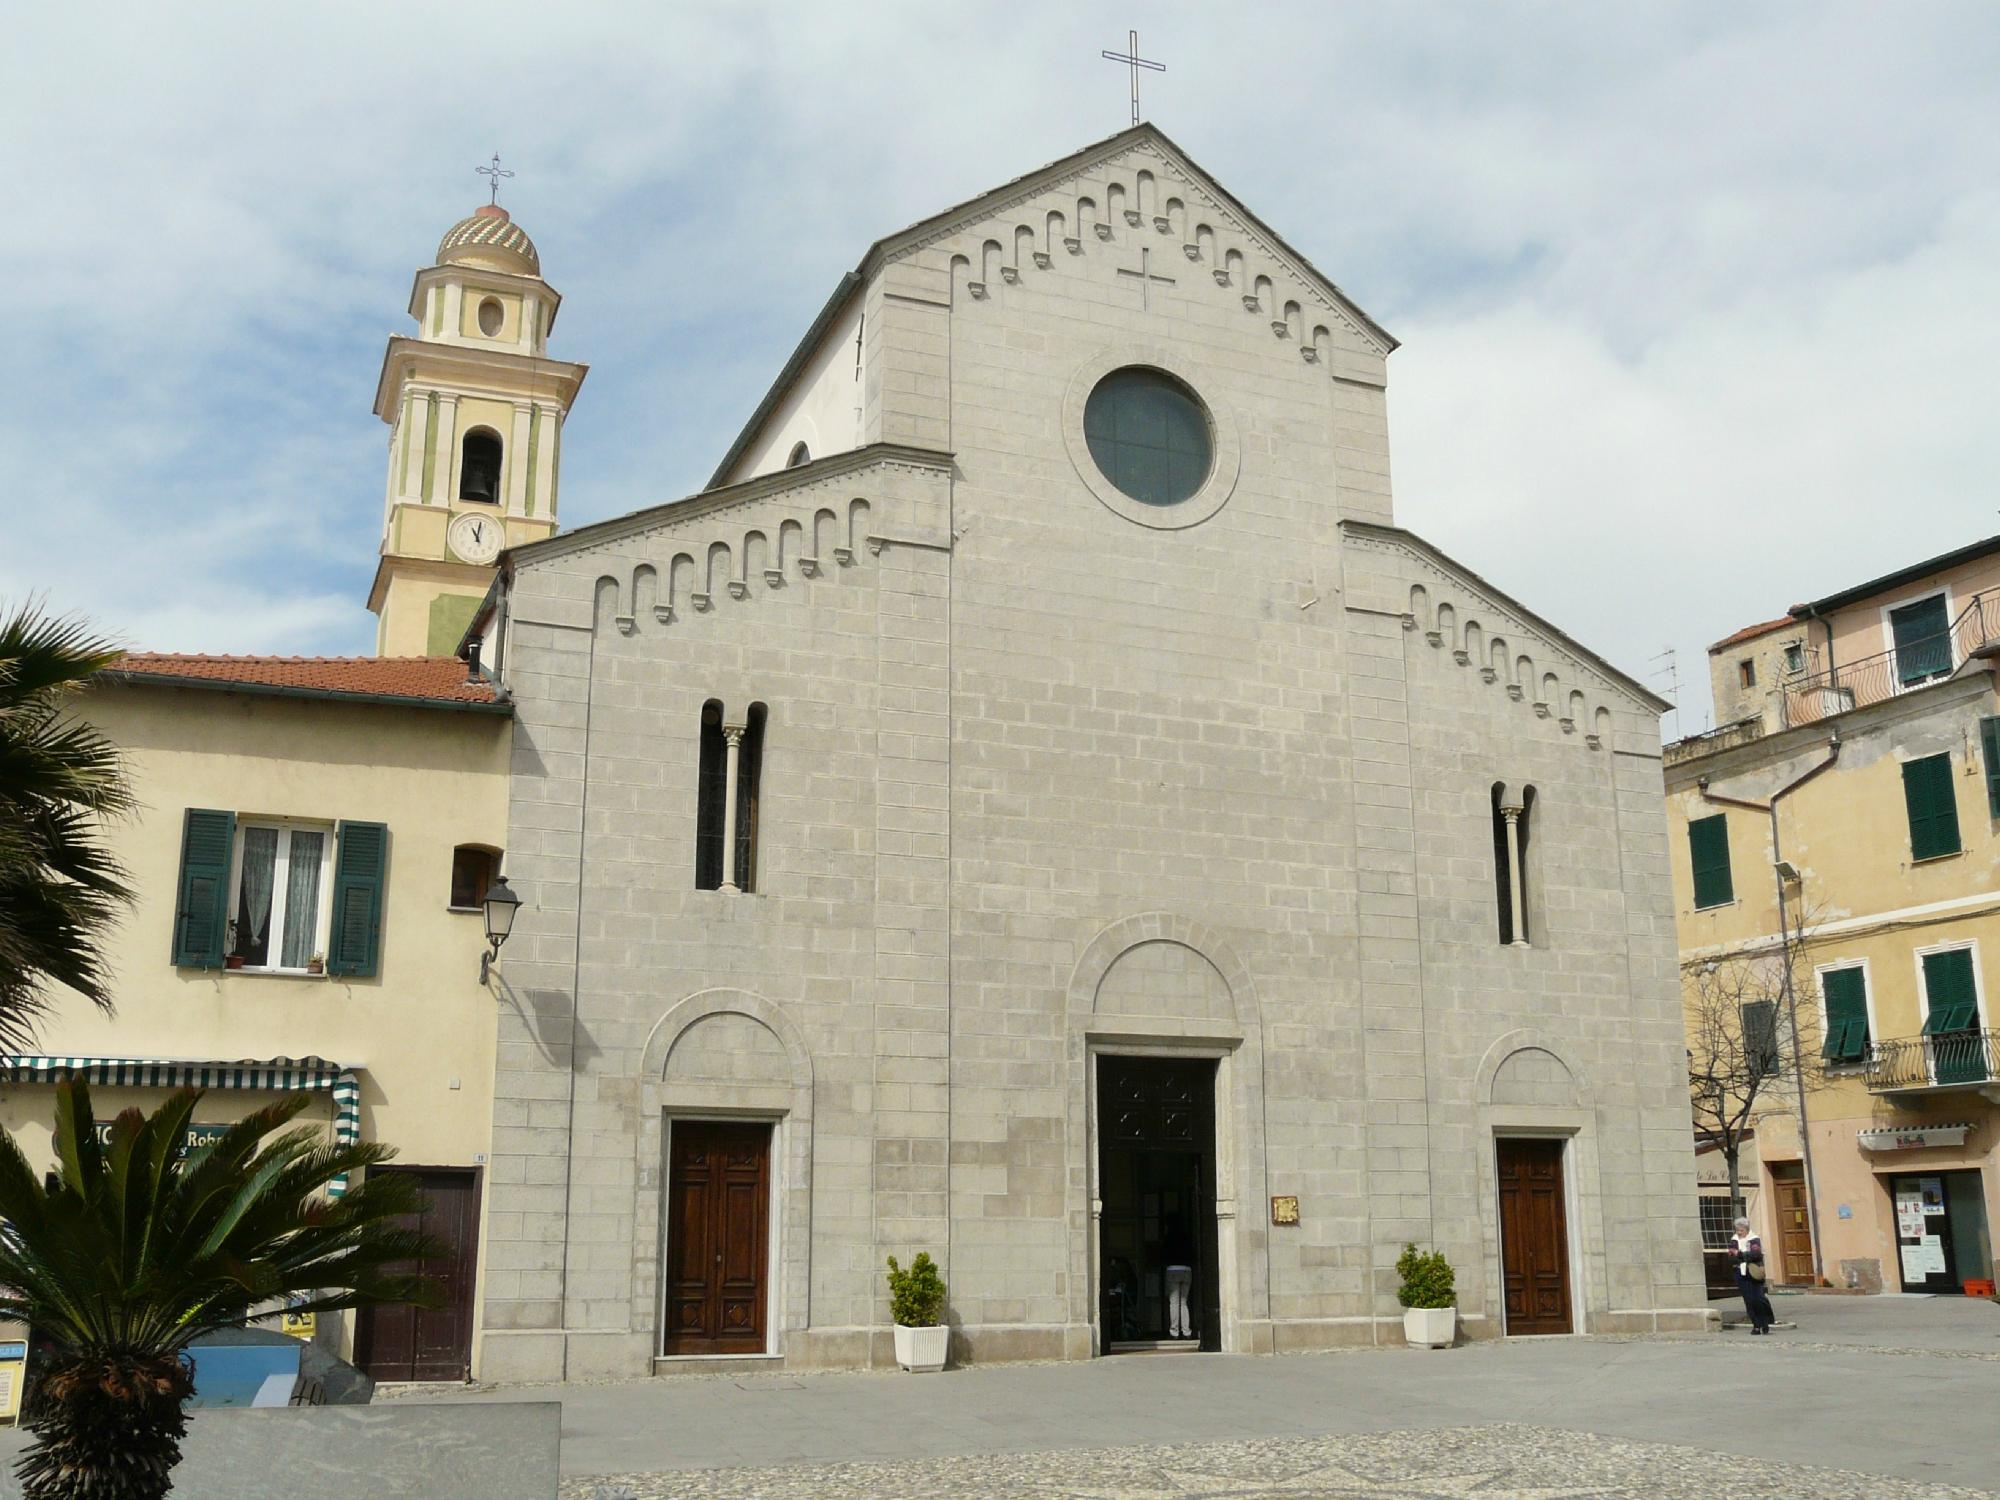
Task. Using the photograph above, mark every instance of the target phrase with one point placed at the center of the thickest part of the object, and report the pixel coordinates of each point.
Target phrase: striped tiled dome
(490, 235)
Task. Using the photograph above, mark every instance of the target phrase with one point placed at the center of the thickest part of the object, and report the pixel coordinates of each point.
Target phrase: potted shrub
(1429, 1295)
(916, 1298)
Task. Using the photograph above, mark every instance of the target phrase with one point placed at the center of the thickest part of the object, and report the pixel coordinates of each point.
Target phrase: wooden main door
(1534, 1236)
(718, 1261)
(415, 1343)
(1794, 1226)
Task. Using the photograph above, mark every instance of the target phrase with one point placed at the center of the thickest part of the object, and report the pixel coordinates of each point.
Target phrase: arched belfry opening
(479, 466)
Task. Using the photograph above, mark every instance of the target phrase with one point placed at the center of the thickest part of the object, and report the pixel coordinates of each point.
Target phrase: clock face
(477, 539)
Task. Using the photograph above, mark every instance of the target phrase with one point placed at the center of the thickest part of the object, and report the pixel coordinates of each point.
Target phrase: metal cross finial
(1135, 62)
(494, 173)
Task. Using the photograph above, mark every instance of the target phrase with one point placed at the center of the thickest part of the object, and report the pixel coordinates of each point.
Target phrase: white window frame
(323, 926)
(1924, 994)
(1889, 637)
(1820, 971)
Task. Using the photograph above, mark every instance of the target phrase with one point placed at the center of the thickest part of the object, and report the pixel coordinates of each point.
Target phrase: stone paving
(1500, 1462)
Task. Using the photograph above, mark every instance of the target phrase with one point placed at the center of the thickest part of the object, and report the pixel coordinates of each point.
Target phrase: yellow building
(311, 850)
(1846, 813)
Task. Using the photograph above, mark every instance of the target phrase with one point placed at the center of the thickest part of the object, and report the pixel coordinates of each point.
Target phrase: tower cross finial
(1135, 62)
(493, 174)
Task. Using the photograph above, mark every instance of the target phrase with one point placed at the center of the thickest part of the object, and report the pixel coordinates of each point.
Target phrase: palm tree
(59, 778)
(134, 1249)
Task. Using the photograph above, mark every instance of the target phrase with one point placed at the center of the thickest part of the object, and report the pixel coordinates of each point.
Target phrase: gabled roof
(411, 681)
(979, 207)
(1353, 526)
(1751, 632)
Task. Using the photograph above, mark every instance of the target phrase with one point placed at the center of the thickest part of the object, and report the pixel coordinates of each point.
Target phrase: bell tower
(475, 408)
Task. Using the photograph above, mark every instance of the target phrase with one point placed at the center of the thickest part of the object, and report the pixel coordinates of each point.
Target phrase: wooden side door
(717, 1264)
(1795, 1244)
(414, 1343)
(1534, 1236)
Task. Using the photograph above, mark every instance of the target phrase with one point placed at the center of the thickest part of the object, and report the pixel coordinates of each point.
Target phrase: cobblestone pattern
(1504, 1462)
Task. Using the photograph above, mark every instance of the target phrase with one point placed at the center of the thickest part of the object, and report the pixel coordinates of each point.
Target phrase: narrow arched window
(800, 455)
(479, 466)
(1503, 867)
(709, 789)
(1524, 830)
(749, 773)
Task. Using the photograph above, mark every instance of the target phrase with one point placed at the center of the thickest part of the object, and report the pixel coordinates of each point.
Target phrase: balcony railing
(1956, 1059)
(1809, 697)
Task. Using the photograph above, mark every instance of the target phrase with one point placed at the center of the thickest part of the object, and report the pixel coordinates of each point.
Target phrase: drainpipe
(1770, 807)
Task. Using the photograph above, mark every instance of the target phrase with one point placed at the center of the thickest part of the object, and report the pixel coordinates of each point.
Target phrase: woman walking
(1746, 1254)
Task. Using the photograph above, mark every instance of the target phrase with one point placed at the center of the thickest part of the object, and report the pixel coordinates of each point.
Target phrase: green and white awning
(278, 1074)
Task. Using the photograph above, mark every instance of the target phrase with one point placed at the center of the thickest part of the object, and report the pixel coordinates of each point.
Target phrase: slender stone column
(1516, 908)
(732, 735)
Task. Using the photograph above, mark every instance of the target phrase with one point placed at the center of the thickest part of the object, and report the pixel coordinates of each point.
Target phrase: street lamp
(501, 904)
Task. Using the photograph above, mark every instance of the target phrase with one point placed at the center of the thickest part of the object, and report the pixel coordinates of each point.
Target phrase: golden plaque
(1285, 1209)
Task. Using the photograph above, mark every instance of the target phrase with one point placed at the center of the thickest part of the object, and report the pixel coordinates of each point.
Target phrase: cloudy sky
(1698, 303)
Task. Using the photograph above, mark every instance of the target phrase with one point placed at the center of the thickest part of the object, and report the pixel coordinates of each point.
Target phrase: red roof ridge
(1751, 632)
(436, 680)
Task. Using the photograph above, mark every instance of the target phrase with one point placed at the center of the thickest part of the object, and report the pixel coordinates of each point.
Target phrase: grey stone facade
(1048, 773)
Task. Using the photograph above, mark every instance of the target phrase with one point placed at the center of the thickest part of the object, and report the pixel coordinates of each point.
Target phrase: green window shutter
(1708, 852)
(1932, 805)
(359, 885)
(1950, 1001)
(1846, 994)
(1989, 745)
(201, 905)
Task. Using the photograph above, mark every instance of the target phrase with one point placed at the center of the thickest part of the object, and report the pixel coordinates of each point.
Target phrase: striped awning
(277, 1074)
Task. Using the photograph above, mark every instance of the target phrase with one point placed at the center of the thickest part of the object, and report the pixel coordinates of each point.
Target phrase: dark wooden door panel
(1534, 1237)
(717, 1264)
(1794, 1230)
(412, 1343)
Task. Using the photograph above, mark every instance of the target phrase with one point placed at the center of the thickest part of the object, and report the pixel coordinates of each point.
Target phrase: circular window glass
(1149, 434)
(490, 317)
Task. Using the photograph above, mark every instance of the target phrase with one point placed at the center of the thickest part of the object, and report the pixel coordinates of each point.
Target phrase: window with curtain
(280, 896)
(1922, 636)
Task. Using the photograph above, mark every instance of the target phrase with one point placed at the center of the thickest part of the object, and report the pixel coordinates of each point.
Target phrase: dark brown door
(1534, 1236)
(1794, 1227)
(415, 1343)
(718, 1196)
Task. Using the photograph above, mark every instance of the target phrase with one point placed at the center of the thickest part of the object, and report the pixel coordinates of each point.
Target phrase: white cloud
(1692, 298)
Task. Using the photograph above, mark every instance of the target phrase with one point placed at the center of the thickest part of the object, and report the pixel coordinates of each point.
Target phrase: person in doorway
(1178, 1247)
(1746, 1254)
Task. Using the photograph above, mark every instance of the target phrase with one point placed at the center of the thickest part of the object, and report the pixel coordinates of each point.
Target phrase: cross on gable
(1146, 276)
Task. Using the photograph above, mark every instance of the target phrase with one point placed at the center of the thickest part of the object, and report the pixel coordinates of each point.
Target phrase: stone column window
(1512, 829)
(727, 792)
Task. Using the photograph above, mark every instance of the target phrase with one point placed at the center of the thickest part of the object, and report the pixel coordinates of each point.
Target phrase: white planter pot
(1430, 1327)
(922, 1349)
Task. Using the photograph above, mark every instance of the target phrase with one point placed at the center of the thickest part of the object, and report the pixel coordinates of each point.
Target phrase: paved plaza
(1846, 1404)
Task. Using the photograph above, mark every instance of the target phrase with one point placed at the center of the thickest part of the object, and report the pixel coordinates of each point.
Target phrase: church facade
(1037, 808)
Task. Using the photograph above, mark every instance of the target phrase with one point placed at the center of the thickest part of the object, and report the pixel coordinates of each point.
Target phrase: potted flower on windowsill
(916, 1299)
(316, 964)
(1429, 1295)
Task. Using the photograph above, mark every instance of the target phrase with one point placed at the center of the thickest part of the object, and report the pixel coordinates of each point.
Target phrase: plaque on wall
(1285, 1209)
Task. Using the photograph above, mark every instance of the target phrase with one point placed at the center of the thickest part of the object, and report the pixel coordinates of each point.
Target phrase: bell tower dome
(475, 408)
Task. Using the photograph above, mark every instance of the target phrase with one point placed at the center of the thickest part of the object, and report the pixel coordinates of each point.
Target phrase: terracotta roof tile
(420, 679)
(1751, 632)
